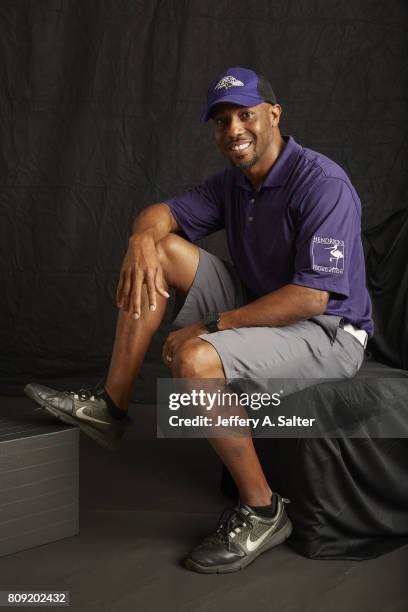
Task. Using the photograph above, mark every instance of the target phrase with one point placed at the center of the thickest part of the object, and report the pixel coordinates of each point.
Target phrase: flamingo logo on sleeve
(328, 255)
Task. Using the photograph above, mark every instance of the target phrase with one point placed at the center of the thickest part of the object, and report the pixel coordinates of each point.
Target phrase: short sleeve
(328, 225)
(199, 211)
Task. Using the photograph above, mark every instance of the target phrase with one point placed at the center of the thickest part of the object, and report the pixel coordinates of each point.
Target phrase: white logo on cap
(227, 82)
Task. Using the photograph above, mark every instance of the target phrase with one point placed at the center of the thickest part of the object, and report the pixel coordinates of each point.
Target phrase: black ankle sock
(116, 412)
(267, 510)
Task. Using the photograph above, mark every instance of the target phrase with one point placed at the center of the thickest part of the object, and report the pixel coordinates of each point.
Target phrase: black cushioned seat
(349, 495)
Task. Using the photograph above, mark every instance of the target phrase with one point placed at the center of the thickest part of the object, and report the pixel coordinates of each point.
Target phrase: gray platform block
(39, 479)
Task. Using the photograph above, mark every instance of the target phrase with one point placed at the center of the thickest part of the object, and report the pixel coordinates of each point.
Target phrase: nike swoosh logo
(85, 417)
(253, 545)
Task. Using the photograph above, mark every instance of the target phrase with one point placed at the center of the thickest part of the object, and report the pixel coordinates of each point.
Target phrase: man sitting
(293, 305)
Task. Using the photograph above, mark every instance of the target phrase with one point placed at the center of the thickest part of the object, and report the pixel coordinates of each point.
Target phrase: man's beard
(248, 164)
(245, 165)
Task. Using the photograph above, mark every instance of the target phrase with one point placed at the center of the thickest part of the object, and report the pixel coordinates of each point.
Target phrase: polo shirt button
(250, 218)
(252, 201)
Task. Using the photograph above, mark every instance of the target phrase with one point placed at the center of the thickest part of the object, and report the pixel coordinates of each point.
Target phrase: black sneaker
(85, 408)
(241, 536)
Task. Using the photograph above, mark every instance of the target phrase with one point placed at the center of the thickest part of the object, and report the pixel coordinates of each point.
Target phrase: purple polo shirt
(302, 226)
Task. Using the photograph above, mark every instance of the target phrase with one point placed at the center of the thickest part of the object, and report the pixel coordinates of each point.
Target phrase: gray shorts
(315, 348)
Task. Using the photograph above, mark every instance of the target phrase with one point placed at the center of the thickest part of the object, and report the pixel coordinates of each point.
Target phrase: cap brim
(235, 98)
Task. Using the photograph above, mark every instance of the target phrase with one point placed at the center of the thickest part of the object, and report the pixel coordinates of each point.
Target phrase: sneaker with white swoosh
(85, 408)
(242, 535)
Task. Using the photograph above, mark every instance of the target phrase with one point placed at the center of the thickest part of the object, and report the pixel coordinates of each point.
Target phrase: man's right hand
(141, 265)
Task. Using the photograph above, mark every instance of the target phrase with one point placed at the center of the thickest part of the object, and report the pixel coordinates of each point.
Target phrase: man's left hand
(175, 339)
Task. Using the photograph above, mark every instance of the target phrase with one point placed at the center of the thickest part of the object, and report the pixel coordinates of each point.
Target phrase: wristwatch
(211, 321)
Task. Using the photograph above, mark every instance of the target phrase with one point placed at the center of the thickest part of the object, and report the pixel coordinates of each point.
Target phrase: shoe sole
(65, 418)
(276, 539)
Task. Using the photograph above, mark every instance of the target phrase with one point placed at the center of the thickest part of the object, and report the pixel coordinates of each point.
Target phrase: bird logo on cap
(227, 82)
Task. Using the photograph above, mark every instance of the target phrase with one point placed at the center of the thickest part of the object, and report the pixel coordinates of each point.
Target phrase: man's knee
(168, 247)
(197, 358)
(179, 260)
(172, 247)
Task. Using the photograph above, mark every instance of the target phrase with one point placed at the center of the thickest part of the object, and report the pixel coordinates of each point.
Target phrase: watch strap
(211, 321)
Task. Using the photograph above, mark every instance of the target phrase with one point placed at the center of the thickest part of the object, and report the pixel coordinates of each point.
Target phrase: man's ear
(275, 111)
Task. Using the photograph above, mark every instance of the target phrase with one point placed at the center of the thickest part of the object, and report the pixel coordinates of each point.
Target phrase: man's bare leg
(179, 260)
(242, 533)
(199, 359)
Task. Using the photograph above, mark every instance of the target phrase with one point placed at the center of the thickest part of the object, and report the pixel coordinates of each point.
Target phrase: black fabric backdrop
(99, 115)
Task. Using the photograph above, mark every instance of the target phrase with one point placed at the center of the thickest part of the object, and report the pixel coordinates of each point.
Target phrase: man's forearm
(287, 305)
(155, 220)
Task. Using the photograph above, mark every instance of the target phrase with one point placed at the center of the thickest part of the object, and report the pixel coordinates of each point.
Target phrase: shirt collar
(281, 169)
